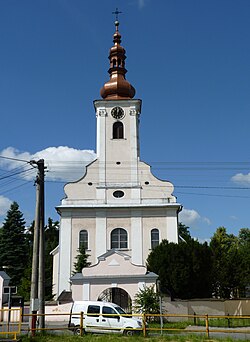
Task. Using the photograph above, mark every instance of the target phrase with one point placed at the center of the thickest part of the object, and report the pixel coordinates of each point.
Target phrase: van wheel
(77, 331)
(128, 332)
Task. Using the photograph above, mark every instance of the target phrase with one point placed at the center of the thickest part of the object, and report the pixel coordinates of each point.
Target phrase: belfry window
(118, 130)
(83, 239)
(119, 238)
(154, 238)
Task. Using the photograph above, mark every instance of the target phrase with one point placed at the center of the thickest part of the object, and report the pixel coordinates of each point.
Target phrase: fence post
(20, 321)
(144, 325)
(207, 326)
(33, 323)
(81, 323)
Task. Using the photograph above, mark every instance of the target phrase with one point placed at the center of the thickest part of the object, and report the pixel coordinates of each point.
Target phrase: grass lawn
(120, 338)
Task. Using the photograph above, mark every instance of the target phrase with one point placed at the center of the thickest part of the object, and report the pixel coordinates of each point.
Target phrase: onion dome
(117, 87)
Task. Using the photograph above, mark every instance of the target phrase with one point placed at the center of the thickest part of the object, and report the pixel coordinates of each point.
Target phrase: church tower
(119, 211)
(118, 124)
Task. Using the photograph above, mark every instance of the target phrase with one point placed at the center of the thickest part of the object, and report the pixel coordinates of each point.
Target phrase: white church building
(119, 211)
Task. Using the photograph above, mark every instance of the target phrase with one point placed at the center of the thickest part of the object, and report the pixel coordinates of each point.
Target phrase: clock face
(117, 113)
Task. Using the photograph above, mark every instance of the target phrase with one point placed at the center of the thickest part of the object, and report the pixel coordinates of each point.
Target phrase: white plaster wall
(101, 233)
(137, 238)
(97, 289)
(60, 313)
(172, 226)
(65, 254)
(84, 223)
(55, 274)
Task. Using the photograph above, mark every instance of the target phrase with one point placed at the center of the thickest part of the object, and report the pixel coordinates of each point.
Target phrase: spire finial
(116, 16)
(117, 88)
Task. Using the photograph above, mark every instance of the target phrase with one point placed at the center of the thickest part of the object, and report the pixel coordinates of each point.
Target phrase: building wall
(206, 307)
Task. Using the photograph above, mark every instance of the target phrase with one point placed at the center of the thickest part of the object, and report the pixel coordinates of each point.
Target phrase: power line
(14, 188)
(15, 159)
(16, 173)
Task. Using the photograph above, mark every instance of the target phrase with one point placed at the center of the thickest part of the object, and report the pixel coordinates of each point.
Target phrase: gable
(114, 264)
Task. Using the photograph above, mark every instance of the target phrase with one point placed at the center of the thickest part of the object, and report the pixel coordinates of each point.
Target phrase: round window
(118, 194)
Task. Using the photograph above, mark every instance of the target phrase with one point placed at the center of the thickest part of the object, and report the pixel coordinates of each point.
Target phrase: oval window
(118, 194)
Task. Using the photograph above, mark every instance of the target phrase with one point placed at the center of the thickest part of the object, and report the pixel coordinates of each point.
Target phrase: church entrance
(118, 296)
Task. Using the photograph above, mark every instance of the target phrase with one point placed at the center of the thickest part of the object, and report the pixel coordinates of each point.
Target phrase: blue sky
(187, 59)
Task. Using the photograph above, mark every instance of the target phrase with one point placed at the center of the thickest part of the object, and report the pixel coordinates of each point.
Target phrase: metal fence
(13, 324)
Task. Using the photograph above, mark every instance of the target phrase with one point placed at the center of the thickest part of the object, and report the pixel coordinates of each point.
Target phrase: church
(118, 211)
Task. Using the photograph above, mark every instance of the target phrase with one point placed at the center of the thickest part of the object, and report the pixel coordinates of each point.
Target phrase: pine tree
(81, 260)
(51, 233)
(14, 249)
(51, 241)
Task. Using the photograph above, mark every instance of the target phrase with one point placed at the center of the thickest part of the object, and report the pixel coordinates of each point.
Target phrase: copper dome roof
(117, 87)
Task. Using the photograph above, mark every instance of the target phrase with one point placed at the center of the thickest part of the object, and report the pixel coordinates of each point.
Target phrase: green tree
(24, 287)
(226, 263)
(51, 236)
(183, 233)
(14, 249)
(81, 260)
(147, 301)
(183, 269)
(244, 251)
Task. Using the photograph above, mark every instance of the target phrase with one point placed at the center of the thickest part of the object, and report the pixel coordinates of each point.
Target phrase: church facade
(119, 211)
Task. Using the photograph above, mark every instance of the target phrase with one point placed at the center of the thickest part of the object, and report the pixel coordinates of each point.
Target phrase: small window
(108, 312)
(93, 310)
(83, 239)
(118, 194)
(147, 183)
(90, 183)
(118, 130)
(119, 238)
(154, 238)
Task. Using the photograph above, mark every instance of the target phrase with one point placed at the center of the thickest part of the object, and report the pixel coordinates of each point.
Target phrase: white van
(97, 318)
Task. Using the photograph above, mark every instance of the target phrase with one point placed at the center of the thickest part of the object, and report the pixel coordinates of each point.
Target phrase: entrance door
(118, 296)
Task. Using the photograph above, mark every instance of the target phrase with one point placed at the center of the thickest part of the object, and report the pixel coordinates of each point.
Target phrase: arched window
(154, 238)
(119, 238)
(118, 130)
(83, 239)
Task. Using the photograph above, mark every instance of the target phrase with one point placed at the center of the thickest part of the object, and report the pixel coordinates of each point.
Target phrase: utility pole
(41, 268)
(38, 273)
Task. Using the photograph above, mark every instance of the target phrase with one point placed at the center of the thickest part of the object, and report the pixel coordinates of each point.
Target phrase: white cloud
(62, 162)
(4, 205)
(192, 218)
(189, 216)
(240, 178)
(206, 220)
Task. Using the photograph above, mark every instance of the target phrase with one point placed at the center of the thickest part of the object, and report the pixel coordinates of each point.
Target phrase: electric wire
(16, 173)
(111, 167)
(14, 188)
(15, 159)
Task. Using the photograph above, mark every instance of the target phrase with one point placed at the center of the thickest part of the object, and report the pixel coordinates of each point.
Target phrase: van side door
(92, 318)
(111, 320)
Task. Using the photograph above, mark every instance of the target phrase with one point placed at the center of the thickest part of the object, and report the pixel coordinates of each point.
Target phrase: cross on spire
(116, 13)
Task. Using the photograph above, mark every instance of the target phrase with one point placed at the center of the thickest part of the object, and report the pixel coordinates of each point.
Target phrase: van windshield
(120, 310)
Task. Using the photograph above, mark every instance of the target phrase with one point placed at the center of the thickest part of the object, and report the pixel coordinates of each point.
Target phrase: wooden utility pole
(41, 268)
(38, 272)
